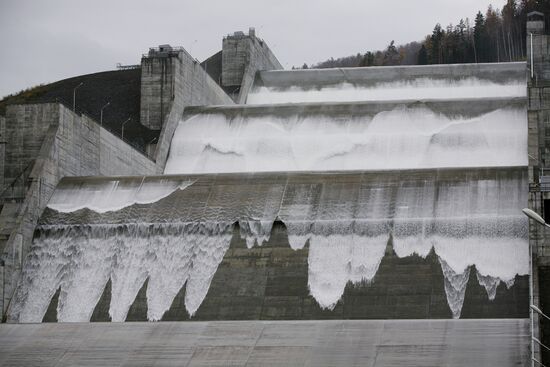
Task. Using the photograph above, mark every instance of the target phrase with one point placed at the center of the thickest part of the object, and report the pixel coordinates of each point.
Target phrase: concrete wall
(116, 157)
(157, 88)
(55, 143)
(243, 56)
(26, 128)
(171, 79)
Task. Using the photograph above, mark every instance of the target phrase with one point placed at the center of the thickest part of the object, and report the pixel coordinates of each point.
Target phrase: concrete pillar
(538, 116)
(242, 56)
(157, 85)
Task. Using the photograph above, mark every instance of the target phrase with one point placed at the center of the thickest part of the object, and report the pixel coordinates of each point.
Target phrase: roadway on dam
(269, 343)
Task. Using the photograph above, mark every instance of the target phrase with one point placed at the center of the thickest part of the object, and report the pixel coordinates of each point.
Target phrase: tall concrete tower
(157, 85)
(242, 56)
(538, 84)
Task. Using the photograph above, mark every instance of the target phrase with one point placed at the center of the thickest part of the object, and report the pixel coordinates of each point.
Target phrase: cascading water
(173, 231)
(465, 216)
(402, 138)
(81, 260)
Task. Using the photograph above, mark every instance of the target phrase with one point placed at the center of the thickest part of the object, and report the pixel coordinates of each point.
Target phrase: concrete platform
(269, 343)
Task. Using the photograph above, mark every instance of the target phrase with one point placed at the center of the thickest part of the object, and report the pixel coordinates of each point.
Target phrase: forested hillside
(496, 35)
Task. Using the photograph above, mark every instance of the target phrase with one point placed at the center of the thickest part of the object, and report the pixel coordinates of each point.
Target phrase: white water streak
(336, 260)
(455, 287)
(105, 196)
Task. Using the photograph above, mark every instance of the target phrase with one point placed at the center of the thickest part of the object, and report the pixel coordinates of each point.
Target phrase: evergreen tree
(480, 38)
(391, 56)
(495, 36)
(436, 56)
(423, 56)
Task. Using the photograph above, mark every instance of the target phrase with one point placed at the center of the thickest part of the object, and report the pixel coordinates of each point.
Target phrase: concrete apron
(275, 343)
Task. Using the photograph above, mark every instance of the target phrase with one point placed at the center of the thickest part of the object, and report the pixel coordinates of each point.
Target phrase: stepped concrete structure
(538, 108)
(309, 217)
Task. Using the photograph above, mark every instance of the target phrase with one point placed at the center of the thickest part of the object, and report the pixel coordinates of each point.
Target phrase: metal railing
(119, 66)
(157, 51)
(539, 187)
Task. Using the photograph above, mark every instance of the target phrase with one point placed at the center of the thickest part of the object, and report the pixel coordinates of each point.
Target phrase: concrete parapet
(451, 108)
(370, 76)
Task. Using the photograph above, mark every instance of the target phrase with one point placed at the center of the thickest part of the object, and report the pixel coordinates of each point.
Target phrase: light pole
(534, 215)
(101, 114)
(537, 218)
(74, 95)
(124, 123)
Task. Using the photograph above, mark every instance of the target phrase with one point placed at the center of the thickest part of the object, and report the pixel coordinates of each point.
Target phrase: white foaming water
(81, 260)
(405, 138)
(256, 232)
(336, 260)
(455, 287)
(105, 196)
(420, 88)
(490, 284)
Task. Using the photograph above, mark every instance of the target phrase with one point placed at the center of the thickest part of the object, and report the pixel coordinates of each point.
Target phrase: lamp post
(537, 218)
(124, 123)
(101, 114)
(74, 95)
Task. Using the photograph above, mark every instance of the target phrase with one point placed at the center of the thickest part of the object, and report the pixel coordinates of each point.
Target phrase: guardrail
(539, 187)
(119, 66)
(157, 51)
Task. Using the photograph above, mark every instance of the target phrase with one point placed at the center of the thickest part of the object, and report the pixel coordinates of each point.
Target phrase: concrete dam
(332, 217)
(388, 205)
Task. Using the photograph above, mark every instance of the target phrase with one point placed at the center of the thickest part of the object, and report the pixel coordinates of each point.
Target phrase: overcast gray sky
(44, 41)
